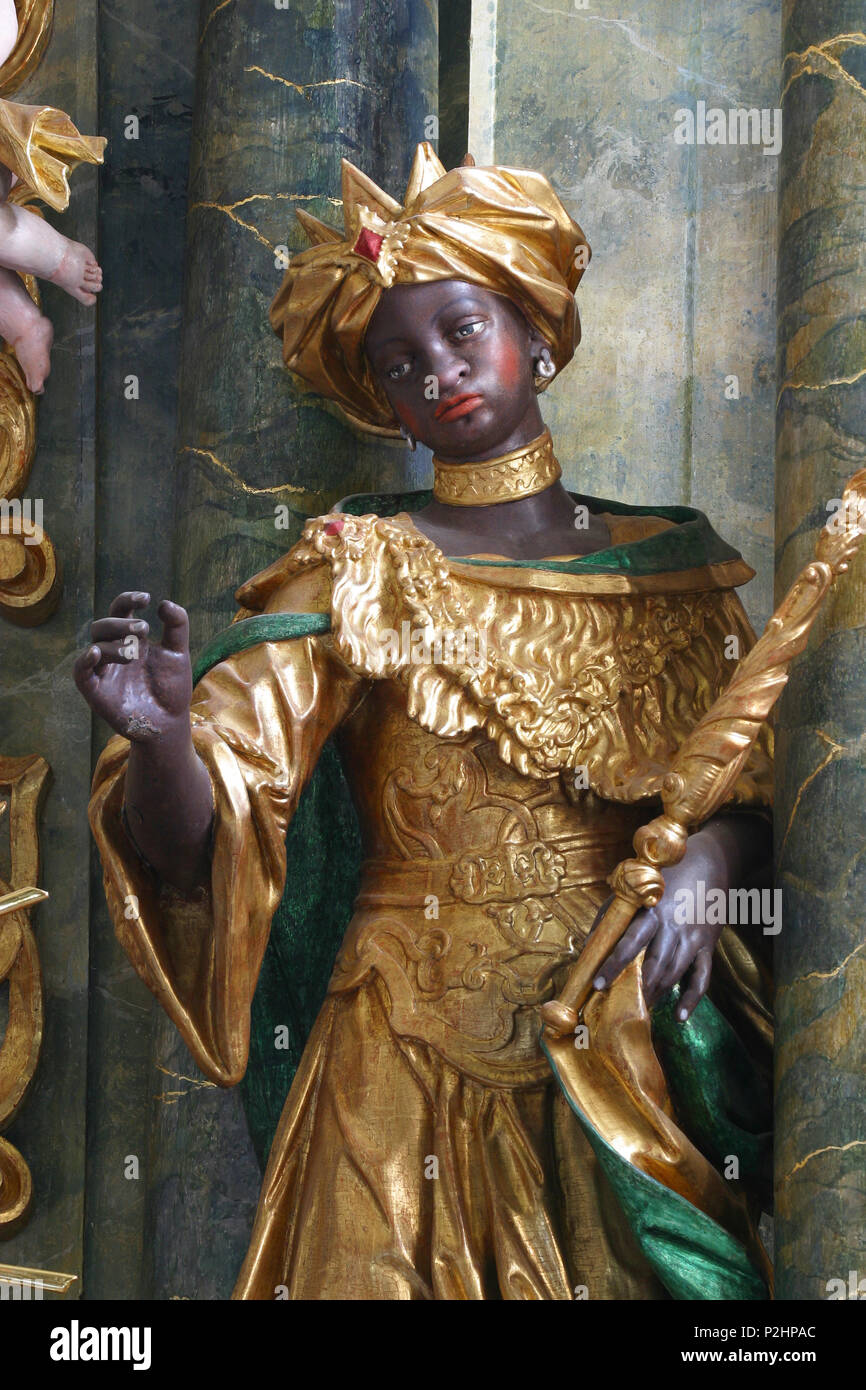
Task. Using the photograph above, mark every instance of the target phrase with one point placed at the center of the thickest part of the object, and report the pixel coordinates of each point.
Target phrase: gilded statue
(505, 671)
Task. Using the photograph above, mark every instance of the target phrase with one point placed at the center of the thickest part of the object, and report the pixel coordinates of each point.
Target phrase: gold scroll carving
(26, 781)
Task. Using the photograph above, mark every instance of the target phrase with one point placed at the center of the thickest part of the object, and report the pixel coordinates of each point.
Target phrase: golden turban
(502, 229)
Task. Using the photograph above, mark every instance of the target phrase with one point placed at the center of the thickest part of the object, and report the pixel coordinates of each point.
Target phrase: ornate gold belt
(505, 873)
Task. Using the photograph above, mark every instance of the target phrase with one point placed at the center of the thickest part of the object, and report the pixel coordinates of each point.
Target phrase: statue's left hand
(721, 855)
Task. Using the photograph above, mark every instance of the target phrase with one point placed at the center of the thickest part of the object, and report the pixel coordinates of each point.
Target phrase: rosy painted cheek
(508, 363)
(409, 418)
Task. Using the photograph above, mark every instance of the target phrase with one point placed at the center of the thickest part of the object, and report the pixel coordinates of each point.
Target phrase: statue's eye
(400, 369)
(469, 330)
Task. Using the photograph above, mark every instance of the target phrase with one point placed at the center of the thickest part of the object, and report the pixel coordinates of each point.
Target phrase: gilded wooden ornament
(26, 779)
(35, 22)
(29, 572)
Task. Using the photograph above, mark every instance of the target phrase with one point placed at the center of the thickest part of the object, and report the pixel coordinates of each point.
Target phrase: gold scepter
(712, 757)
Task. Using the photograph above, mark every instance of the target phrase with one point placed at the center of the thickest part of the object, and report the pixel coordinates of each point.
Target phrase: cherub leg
(27, 331)
(30, 245)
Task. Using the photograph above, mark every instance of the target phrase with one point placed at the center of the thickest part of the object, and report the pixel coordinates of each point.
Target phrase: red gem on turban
(368, 245)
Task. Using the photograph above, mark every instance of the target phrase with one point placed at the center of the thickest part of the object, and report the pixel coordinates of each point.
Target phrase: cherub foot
(33, 350)
(79, 273)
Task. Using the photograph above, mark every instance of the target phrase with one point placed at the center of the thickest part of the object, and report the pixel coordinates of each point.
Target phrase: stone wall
(679, 296)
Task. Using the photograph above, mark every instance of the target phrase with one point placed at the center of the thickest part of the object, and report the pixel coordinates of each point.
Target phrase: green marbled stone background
(146, 69)
(821, 775)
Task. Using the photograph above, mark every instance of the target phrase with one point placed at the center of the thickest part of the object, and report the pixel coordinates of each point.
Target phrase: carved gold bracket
(29, 572)
(26, 780)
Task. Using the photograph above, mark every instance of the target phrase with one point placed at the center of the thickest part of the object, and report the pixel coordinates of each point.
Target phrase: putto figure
(39, 145)
(424, 1149)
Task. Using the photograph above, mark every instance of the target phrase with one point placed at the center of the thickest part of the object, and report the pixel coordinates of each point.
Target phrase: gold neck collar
(521, 473)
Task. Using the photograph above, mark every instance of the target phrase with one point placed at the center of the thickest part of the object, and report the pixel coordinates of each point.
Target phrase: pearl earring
(409, 437)
(544, 366)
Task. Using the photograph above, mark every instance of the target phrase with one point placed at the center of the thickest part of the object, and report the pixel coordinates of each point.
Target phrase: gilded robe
(424, 1150)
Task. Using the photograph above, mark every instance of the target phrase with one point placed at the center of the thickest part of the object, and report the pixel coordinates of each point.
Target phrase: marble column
(146, 90)
(283, 92)
(821, 791)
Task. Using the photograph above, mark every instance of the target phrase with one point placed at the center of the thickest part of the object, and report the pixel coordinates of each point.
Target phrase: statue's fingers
(686, 947)
(126, 603)
(699, 982)
(84, 670)
(175, 626)
(122, 652)
(676, 967)
(630, 944)
(109, 629)
(659, 954)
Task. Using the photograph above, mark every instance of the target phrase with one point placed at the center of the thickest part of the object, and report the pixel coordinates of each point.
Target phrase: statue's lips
(456, 406)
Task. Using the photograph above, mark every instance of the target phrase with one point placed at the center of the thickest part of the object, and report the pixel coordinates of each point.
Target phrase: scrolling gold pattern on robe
(25, 779)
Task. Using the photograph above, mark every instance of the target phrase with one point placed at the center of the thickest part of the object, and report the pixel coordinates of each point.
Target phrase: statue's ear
(536, 342)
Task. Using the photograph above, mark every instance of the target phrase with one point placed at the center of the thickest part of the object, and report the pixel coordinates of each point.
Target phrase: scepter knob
(559, 1018)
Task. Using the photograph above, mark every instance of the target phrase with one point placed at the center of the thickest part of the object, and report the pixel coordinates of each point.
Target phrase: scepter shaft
(710, 760)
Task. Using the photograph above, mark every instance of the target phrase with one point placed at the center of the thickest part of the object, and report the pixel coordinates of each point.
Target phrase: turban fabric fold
(504, 230)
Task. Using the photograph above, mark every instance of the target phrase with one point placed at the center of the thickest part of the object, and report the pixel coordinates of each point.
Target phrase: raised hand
(140, 687)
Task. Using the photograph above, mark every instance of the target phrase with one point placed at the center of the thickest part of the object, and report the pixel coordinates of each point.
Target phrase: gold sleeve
(259, 722)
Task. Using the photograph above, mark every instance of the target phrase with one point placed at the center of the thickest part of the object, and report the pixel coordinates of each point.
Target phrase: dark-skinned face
(476, 348)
